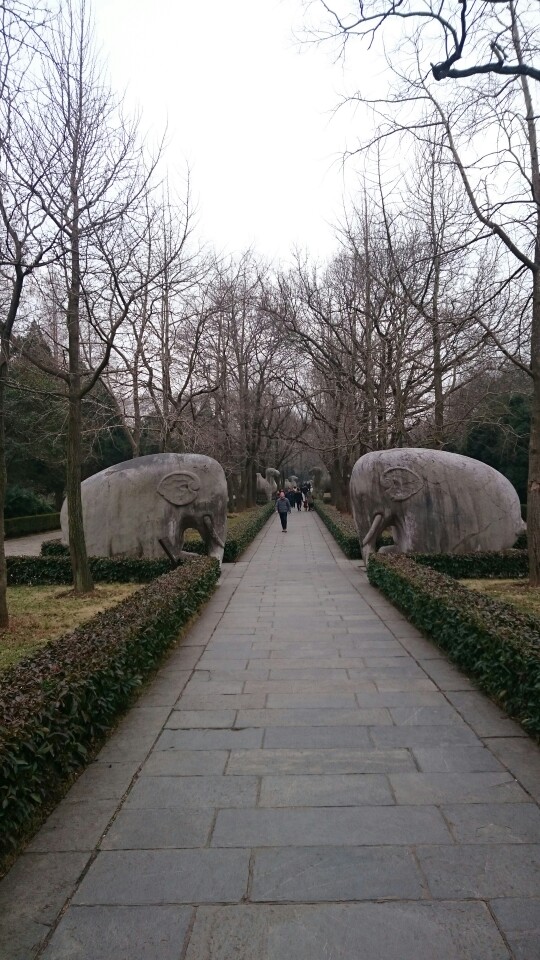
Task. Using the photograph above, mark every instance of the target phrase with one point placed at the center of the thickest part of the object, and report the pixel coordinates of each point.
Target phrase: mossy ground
(39, 614)
(517, 592)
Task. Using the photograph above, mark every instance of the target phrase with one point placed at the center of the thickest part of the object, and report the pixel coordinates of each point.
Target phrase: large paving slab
(307, 778)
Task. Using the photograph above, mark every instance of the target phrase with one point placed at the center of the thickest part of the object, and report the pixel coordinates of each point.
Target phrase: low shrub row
(21, 526)
(34, 571)
(342, 528)
(54, 548)
(57, 705)
(506, 565)
(24, 502)
(241, 530)
(491, 641)
(521, 542)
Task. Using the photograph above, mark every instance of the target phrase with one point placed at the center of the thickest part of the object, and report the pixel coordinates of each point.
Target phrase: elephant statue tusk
(374, 529)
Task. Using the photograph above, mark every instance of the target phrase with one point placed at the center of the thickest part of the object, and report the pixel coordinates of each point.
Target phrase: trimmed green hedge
(489, 640)
(34, 571)
(506, 565)
(342, 528)
(241, 530)
(57, 705)
(54, 548)
(19, 526)
(521, 542)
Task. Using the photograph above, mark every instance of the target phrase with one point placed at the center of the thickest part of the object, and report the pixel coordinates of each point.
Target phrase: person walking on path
(299, 499)
(283, 507)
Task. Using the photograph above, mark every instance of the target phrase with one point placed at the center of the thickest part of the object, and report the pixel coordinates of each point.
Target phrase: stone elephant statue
(433, 501)
(267, 486)
(320, 480)
(290, 483)
(130, 506)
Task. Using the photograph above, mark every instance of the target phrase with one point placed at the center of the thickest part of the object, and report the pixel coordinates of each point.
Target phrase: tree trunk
(533, 491)
(232, 491)
(252, 485)
(533, 485)
(136, 434)
(248, 482)
(339, 487)
(82, 578)
(437, 241)
(437, 364)
(438, 392)
(4, 362)
(4, 616)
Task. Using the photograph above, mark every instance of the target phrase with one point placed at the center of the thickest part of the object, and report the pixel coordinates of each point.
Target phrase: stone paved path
(29, 546)
(306, 779)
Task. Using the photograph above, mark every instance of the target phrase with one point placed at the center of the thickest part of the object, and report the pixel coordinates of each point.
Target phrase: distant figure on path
(283, 507)
(299, 499)
(310, 501)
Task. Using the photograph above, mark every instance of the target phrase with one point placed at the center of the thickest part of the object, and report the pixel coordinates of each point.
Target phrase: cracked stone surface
(307, 779)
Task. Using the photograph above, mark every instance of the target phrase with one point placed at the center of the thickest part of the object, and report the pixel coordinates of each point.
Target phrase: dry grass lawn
(516, 592)
(39, 614)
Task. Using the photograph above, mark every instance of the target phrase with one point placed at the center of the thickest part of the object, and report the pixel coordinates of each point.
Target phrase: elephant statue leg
(370, 540)
(179, 539)
(214, 543)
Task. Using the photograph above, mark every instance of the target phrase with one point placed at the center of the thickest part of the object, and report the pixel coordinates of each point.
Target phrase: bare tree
(251, 405)
(26, 239)
(451, 277)
(463, 35)
(155, 369)
(91, 193)
(365, 353)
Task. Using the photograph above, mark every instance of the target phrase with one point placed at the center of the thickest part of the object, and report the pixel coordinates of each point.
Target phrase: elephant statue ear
(181, 488)
(401, 483)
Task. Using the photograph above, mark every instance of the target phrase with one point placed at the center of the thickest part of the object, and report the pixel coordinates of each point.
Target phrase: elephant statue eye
(401, 483)
(181, 488)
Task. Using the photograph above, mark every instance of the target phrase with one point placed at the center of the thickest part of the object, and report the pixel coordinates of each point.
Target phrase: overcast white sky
(248, 109)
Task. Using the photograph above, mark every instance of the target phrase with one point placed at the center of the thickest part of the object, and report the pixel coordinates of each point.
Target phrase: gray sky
(246, 106)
